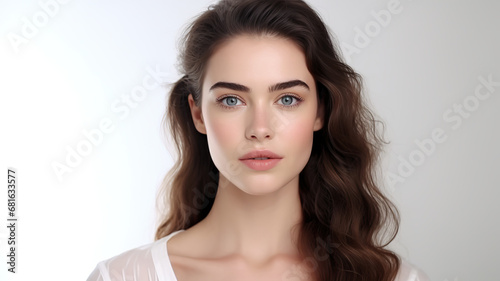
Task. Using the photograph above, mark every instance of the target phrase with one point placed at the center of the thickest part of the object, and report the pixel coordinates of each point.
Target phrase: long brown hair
(347, 221)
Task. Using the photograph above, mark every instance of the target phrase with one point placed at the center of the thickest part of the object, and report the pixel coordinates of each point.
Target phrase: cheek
(301, 133)
(222, 132)
(300, 126)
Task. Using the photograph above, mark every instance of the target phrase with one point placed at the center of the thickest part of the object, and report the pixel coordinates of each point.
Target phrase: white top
(151, 263)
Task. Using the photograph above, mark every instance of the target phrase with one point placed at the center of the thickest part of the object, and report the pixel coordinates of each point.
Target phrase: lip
(261, 153)
(261, 165)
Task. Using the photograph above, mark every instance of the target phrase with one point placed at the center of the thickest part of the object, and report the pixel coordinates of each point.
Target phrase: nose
(259, 124)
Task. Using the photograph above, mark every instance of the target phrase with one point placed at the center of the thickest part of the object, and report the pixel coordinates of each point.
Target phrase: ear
(318, 123)
(197, 116)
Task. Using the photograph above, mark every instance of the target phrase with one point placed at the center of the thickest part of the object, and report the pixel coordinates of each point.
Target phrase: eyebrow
(276, 87)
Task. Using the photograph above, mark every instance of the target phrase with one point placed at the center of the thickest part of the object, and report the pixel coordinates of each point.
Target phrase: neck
(255, 227)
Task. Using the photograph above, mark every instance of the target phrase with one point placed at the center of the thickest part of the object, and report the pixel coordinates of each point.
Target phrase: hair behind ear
(193, 159)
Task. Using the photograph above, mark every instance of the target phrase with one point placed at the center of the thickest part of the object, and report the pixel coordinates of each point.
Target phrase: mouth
(261, 160)
(260, 155)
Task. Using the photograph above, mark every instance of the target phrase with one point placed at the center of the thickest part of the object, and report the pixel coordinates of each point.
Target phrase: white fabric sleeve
(408, 272)
(134, 265)
(147, 263)
(97, 275)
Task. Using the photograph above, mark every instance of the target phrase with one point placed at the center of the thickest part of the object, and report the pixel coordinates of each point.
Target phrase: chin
(260, 187)
(258, 191)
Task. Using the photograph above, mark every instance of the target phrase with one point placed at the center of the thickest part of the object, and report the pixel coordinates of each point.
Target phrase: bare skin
(257, 254)
(249, 233)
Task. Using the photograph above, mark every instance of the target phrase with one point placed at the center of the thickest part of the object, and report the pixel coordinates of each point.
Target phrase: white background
(88, 55)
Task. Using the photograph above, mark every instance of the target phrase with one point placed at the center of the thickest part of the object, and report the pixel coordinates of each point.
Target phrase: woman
(274, 179)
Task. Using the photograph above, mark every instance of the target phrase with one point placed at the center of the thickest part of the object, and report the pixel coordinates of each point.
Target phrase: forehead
(256, 61)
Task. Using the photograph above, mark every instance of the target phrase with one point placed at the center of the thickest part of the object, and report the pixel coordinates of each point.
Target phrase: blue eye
(287, 101)
(230, 101)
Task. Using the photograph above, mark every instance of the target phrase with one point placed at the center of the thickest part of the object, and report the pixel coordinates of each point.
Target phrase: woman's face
(258, 95)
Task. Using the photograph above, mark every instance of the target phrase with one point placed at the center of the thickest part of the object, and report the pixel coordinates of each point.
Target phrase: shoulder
(134, 264)
(409, 272)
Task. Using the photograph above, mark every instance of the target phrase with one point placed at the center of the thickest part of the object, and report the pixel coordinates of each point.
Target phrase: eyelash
(220, 100)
